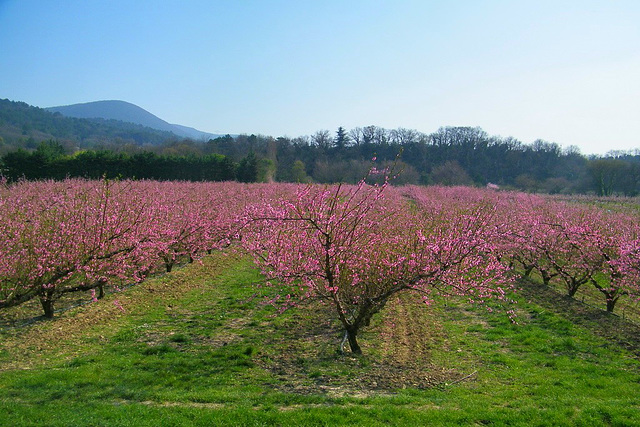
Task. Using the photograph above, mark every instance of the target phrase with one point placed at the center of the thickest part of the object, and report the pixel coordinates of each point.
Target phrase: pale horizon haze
(563, 71)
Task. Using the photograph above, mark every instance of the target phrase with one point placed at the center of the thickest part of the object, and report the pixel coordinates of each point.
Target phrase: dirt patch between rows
(396, 354)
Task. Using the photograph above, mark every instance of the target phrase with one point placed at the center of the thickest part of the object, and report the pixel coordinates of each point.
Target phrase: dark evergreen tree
(342, 139)
(248, 168)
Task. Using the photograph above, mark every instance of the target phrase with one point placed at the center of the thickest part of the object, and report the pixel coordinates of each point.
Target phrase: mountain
(23, 126)
(130, 113)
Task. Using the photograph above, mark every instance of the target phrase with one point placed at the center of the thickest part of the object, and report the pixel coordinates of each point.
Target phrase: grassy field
(197, 347)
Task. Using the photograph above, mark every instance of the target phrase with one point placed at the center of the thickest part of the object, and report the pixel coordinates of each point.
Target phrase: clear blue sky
(562, 71)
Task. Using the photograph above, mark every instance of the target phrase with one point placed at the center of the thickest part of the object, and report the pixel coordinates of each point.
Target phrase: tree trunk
(47, 305)
(571, 290)
(611, 296)
(611, 304)
(353, 342)
(168, 263)
(573, 285)
(101, 289)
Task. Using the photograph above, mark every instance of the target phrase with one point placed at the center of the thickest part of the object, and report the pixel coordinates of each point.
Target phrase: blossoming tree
(353, 247)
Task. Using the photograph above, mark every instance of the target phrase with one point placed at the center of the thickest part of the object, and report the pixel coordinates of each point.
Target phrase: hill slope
(126, 112)
(23, 126)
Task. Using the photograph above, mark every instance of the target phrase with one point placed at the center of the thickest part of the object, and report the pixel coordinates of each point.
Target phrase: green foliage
(298, 173)
(48, 163)
(248, 168)
(50, 150)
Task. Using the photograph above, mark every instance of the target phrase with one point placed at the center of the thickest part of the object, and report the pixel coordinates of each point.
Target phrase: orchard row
(78, 235)
(351, 246)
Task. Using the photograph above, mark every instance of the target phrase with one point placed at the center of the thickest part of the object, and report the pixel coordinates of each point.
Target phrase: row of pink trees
(574, 244)
(68, 236)
(350, 246)
(75, 235)
(353, 247)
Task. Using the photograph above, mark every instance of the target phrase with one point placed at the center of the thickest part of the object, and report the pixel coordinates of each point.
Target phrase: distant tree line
(49, 161)
(37, 144)
(449, 156)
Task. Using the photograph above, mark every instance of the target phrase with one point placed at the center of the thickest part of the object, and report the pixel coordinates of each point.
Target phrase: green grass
(215, 355)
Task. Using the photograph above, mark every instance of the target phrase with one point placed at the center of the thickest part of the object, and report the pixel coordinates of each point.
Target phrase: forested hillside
(24, 126)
